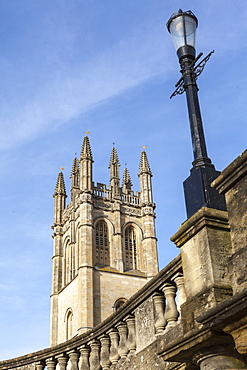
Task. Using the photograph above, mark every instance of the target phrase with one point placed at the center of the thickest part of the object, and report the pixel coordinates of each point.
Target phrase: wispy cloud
(68, 92)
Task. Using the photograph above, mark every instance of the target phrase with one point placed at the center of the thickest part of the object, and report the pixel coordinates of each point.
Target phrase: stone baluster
(40, 365)
(84, 351)
(74, 358)
(159, 312)
(122, 347)
(171, 312)
(105, 352)
(62, 361)
(131, 340)
(179, 281)
(51, 363)
(114, 336)
(94, 359)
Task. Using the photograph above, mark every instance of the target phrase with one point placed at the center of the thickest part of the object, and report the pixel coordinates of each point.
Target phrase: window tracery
(102, 255)
(130, 249)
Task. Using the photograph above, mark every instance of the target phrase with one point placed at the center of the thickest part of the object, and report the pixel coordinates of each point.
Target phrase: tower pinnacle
(114, 171)
(86, 152)
(75, 173)
(127, 183)
(86, 161)
(145, 175)
(144, 165)
(60, 185)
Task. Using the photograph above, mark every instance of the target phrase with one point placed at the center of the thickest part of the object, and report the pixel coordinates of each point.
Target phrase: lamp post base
(198, 192)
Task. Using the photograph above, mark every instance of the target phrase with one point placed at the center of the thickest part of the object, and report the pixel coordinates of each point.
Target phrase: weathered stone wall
(110, 286)
(233, 183)
(147, 359)
(145, 325)
(68, 301)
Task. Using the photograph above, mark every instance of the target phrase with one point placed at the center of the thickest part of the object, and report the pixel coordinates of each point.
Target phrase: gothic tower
(104, 244)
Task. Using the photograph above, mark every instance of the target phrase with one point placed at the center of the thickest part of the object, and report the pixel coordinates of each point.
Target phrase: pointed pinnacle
(75, 167)
(127, 179)
(114, 158)
(60, 185)
(86, 152)
(144, 165)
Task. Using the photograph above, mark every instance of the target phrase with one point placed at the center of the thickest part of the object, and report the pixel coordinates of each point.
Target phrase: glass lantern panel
(190, 29)
(177, 32)
(183, 29)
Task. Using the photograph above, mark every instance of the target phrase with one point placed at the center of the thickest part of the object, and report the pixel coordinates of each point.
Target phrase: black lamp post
(198, 192)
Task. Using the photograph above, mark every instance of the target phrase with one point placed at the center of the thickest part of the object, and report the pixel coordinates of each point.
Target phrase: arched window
(130, 248)
(102, 255)
(119, 303)
(67, 263)
(68, 323)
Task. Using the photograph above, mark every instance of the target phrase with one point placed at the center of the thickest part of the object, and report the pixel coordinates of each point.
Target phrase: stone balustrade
(131, 199)
(151, 311)
(166, 306)
(101, 191)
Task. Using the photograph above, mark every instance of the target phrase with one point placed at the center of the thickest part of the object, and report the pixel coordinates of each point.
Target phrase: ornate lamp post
(197, 189)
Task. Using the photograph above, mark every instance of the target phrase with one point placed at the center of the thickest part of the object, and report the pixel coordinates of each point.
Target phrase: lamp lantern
(182, 27)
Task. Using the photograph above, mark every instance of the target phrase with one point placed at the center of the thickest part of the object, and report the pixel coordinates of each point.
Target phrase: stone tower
(104, 244)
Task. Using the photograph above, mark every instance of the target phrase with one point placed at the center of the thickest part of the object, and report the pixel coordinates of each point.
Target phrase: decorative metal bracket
(180, 86)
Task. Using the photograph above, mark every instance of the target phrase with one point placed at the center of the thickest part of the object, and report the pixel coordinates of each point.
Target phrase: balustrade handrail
(139, 297)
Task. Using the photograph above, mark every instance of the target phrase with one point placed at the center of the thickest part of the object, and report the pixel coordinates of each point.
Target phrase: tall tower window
(67, 263)
(69, 325)
(102, 244)
(130, 248)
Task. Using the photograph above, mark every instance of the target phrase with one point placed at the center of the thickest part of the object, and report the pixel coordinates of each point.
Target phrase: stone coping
(221, 315)
(182, 349)
(112, 321)
(231, 174)
(209, 217)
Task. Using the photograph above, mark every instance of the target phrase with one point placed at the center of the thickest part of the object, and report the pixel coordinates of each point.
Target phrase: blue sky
(107, 67)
